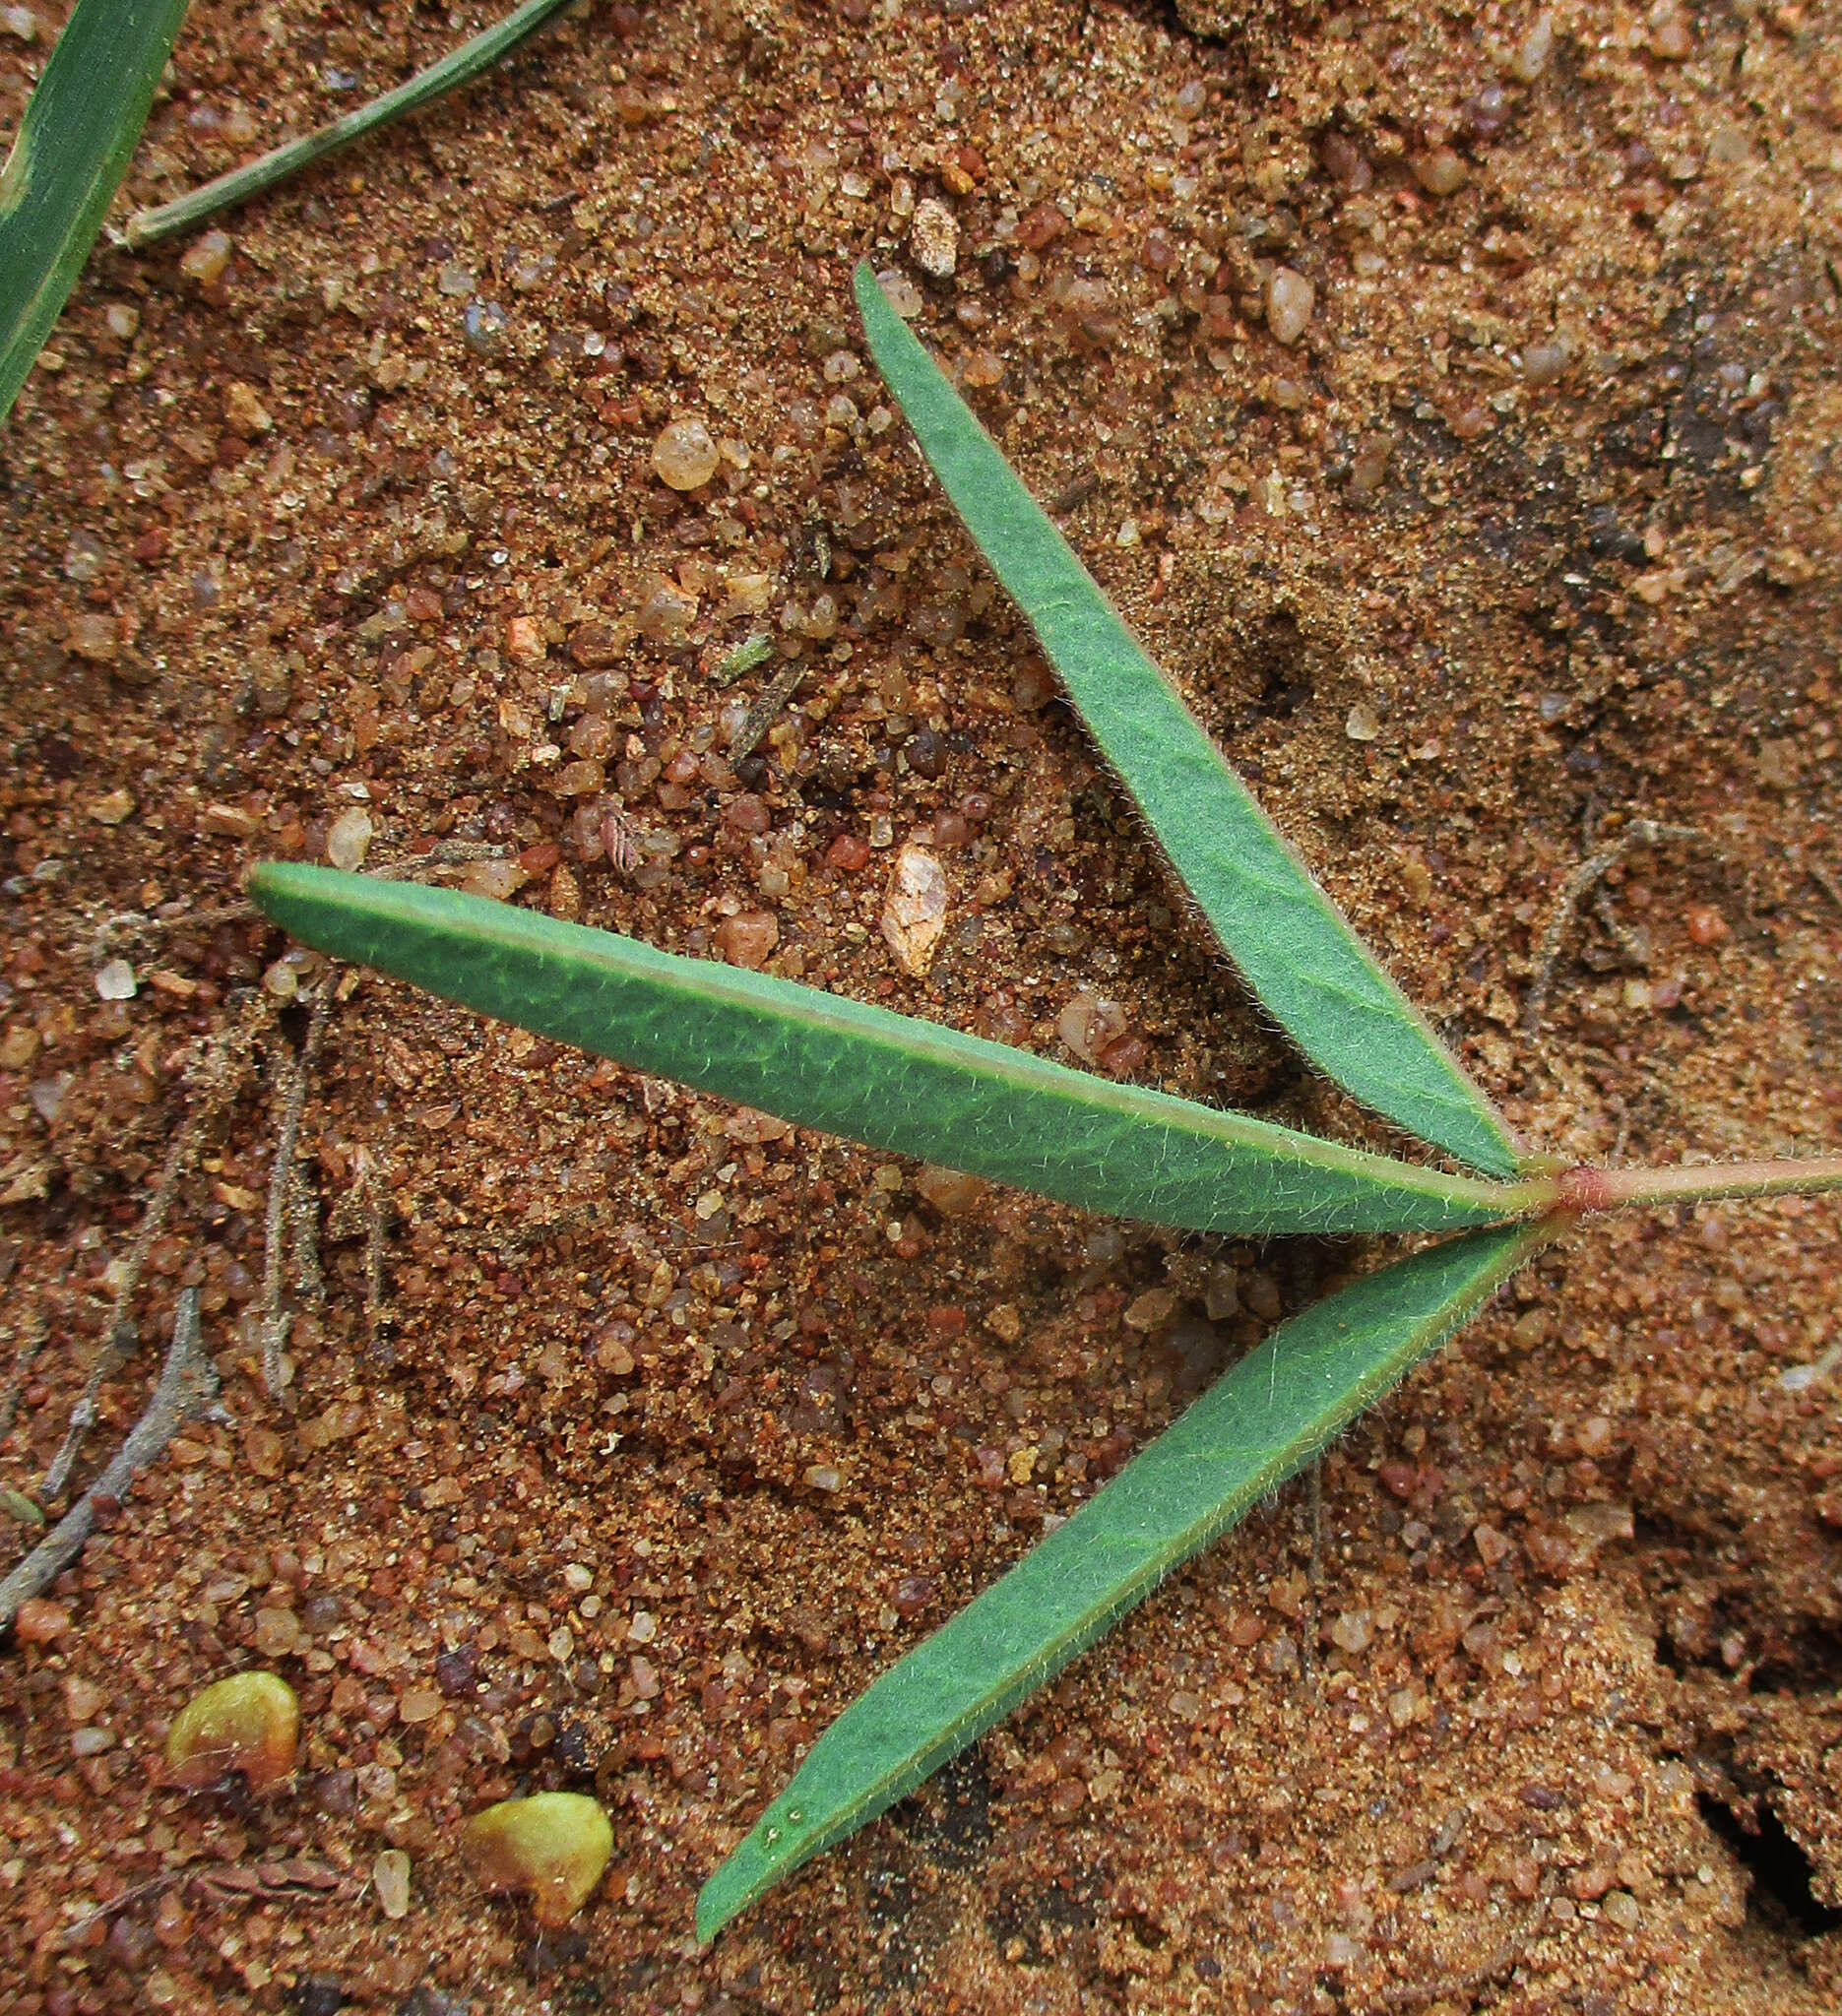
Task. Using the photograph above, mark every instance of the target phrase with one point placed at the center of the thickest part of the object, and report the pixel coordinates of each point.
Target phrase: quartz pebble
(349, 838)
(552, 1847)
(915, 909)
(750, 938)
(247, 1723)
(390, 1877)
(116, 981)
(206, 258)
(947, 1190)
(933, 238)
(1531, 58)
(685, 456)
(1439, 171)
(1290, 299)
(1362, 724)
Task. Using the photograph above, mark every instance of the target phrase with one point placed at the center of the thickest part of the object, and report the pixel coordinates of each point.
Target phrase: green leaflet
(1299, 956)
(457, 68)
(72, 149)
(1251, 1431)
(822, 1060)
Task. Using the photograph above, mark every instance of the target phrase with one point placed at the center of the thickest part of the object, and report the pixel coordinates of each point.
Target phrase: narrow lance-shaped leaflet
(460, 66)
(1262, 1422)
(73, 146)
(822, 1060)
(1298, 954)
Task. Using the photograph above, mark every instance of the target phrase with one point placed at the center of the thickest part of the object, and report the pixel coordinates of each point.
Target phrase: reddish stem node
(1584, 1188)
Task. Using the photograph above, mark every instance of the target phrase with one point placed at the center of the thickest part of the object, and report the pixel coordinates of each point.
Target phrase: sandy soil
(663, 1435)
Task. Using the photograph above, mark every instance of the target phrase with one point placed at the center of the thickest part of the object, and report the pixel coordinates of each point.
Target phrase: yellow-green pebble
(553, 1846)
(248, 1722)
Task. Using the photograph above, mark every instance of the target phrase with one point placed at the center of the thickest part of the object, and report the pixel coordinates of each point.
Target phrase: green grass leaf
(1295, 950)
(71, 151)
(822, 1060)
(457, 68)
(1252, 1430)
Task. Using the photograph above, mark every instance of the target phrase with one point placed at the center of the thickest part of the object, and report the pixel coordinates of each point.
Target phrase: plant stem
(1585, 1188)
(460, 66)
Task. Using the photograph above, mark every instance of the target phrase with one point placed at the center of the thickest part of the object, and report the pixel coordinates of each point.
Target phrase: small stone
(247, 1723)
(1622, 1907)
(1004, 1323)
(116, 981)
(21, 23)
(1543, 363)
(93, 636)
(497, 881)
(1531, 58)
(933, 238)
(1290, 299)
(1354, 1631)
(684, 456)
(1704, 924)
(1672, 40)
(483, 328)
(206, 258)
(48, 1096)
(1439, 171)
(1363, 724)
(231, 821)
(419, 1704)
(19, 1047)
(915, 909)
(1494, 1547)
(91, 1743)
(524, 639)
(390, 1879)
(40, 1620)
(643, 1629)
(1090, 1025)
(265, 1452)
(1152, 1310)
(243, 412)
(904, 295)
(824, 1477)
(112, 809)
(84, 1700)
(552, 1846)
(750, 938)
(947, 1190)
(278, 1634)
(349, 838)
(1600, 1521)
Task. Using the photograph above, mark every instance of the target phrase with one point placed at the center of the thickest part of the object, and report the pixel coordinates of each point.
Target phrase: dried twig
(364, 1207)
(186, 1391)
(766, 711)
(218, 1082)
(1584, 878)
(284, 1177)
(132, 927)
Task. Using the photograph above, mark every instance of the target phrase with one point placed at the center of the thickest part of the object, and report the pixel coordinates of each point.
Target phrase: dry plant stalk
(186, 1391)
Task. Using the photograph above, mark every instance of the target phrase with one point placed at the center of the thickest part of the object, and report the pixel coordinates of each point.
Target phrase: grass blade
(822, 1060)
(73, 146)
(1310, 969)
(458, 67)
(1251, 1431)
